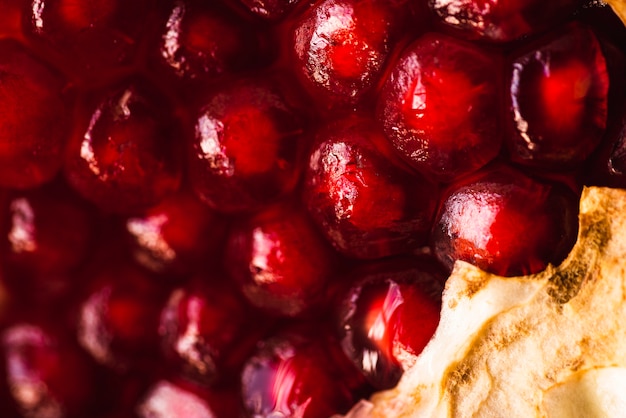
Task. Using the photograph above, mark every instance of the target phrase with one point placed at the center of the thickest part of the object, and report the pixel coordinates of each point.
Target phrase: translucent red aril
(247, 146)
(179, 235)
(388, 316)
(48, 376)
(365, 203)
(201, 40)
(174, 399)
(203, 329)
(440, 106)
(33, 118)
(559, 100)
(294, 375)
(87, 38)
(118, 318)
(270, 9)
(341, 46)
(125, 151)
(501, 20)
(505, 222)
(280, 260)
(46, 235)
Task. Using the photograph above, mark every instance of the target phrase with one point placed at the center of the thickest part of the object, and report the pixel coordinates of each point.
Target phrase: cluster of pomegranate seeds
(250, 207)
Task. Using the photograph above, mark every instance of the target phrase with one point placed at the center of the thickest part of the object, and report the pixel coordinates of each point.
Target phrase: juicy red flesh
(388, 316)
(33, 119)
(123, 155)
(501, 20)
(340, 46)
(240, 207)
(347, 176)
(440, 107)
(559, 101)
(279, 260)
(505, 223)
(294, 375)
(247, 146)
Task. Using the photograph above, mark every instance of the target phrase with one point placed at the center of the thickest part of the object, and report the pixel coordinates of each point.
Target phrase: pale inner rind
(526, 346)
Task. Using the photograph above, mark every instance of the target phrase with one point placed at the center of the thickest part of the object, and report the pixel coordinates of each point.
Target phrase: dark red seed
(125, 151)
(501, 20)
(294, 375)
(388, 316)
(247, 147)
(179, 235)
(270, 9)
(279, 260)
(33, 119)
(505, 223)
(341, 46)
(47, 375)
(366, 205)
(559, 101)
(440, 106)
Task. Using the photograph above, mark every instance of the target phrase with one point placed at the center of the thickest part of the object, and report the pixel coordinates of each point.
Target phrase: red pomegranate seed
(124, 155)
(341, 46)
(270, 9)
(33, 118)
(203, 330)
(559, 101)
(47, 375)
(505, 222)
(501, 20)
(366, 205)
(294, 374)
(440, 106)
(389, 315)
(179, 235)
(118, 319)
(89, 39)
(247, 147)
(174, 399)
(201, 40)
(279, 259)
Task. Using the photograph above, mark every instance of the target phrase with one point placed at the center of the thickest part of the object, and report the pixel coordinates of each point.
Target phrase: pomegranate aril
(272, 10)
(501, 20)
(440, 106)
(34, 118)
(365, 203)
(505, 222)
(89, 39)
(204, 332)
(125, 153)
(202, 40)
(118, 318)
(294, 374)
(279, 260)
(559, 100)
(340, 47)
(388, 316)
(247, 146)
(47, 374)
(180, 235)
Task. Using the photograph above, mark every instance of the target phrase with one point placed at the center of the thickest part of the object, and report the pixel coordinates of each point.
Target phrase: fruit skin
(505, 222)
(367, 204)
(440, 105)
(34, 118)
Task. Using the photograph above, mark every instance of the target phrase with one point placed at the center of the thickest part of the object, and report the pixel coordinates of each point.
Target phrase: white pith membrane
(547, 345)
